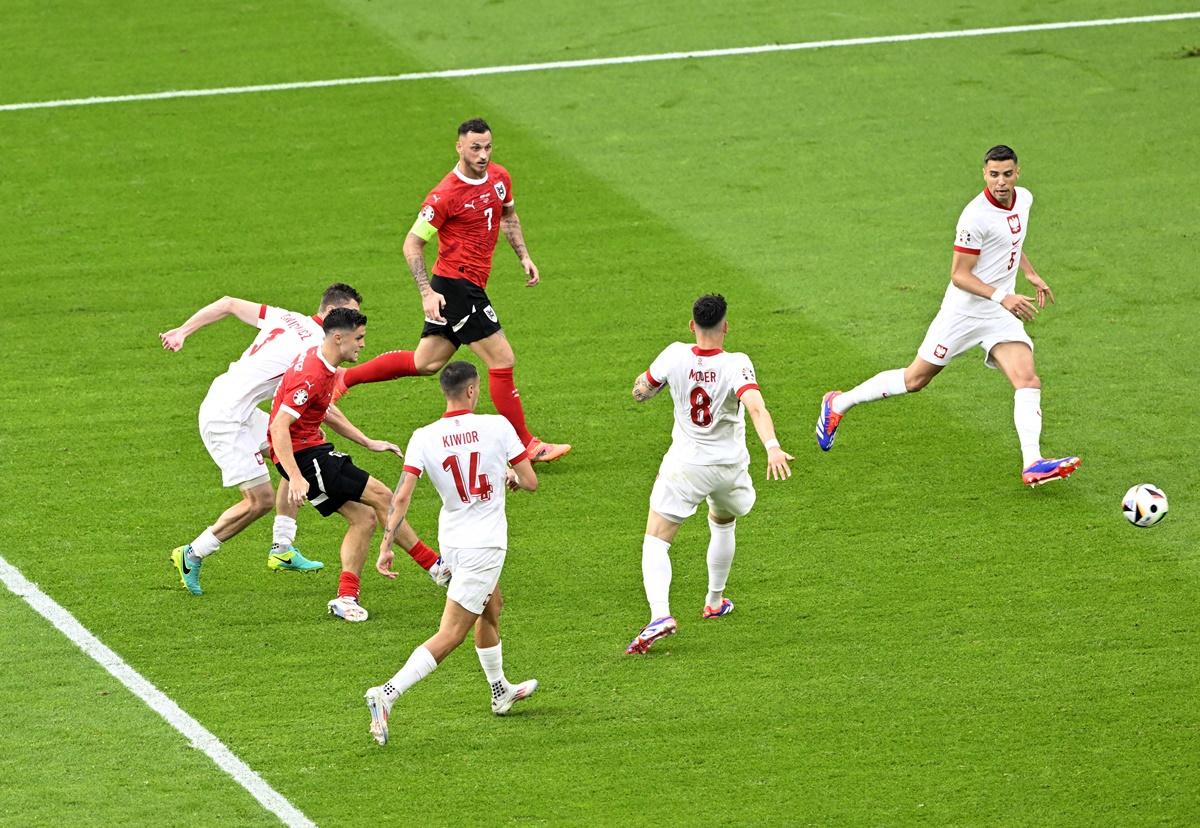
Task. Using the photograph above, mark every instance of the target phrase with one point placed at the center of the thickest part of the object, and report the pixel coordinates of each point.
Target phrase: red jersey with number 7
(466, 213)
(466, 457)
(305, 392)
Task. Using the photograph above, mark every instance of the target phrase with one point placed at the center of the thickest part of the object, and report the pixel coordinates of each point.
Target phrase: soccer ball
(1144, 505)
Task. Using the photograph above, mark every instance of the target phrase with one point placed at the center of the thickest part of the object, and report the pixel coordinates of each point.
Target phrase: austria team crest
(501, 192)
(1014, 224)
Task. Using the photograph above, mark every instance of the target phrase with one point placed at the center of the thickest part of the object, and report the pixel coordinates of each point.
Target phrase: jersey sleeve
(269, 317)
(414, 460)
(293, 393)
(435, 209)
(507, 198)
(968, 236)
(745, 380)
(514, 449)
(661, 367)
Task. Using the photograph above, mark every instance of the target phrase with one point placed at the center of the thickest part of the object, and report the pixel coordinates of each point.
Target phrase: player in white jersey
(234, 428)
(981, 307)
(712, 390)
(467, 457)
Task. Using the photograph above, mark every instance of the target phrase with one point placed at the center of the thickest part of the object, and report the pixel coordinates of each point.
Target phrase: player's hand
(777, 464)
(432, 303)
(510, 480)
(384, 445)
(297, 491)
(1043, 290)
(384, 565)
(531, 272)
(1020, 306)
(172, 340)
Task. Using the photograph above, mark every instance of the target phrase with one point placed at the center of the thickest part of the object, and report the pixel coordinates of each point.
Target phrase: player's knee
(1030, 380)
(261, 500)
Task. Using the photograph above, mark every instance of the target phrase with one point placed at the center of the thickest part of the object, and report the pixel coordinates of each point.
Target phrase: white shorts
(474, 574)
(950, 334)
(680, 487)
(236, 447)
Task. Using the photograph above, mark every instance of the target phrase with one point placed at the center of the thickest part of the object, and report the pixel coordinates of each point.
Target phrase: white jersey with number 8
(706, 386)
(467, 456)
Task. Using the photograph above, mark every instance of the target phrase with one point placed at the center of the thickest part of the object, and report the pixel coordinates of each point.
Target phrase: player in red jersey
(467, 211)
(328, 478)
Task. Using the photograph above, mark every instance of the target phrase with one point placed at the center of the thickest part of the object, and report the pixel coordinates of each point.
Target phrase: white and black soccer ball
(1144, 505)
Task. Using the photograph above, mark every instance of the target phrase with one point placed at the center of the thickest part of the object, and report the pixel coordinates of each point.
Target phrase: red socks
(383, 367)
(508, 401)
(348, 585)
(423, 555)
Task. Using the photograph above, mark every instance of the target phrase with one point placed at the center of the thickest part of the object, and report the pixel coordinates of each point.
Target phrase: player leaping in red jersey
(467, 211)
(328, 479)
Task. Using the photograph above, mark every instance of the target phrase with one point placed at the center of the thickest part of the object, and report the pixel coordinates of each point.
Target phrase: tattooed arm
(510, 226)
(644, 389)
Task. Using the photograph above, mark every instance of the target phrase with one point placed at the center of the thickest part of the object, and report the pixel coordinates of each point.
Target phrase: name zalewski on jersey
(706, 386)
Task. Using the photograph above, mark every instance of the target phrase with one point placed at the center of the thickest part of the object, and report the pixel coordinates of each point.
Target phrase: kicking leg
(360, 528)
(722, 544)
(656, 578)
(497, 354)
(1015, 359)
(885, 384)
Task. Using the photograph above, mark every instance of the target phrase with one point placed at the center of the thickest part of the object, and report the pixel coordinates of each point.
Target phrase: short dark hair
(456, 377)
(1000, 152)
(709, 310)
(343, 319)
(474, 125)
(337, 294)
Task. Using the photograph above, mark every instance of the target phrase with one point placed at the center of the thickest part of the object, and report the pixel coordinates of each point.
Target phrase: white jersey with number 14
(467, 456)
(706, 385)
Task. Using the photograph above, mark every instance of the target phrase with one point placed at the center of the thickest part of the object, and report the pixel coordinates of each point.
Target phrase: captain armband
(422, 229)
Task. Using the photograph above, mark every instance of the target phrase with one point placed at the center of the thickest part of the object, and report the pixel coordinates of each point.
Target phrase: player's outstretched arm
(281, 441)
(341, 424)
(247, 312)
(1039, 284)
(643, 389)
(777, 458)
(396, 512)
(510, 226)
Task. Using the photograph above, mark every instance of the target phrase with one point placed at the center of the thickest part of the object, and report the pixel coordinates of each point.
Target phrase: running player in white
(712, 389)
(980, 308)
(234, 428)
(467, 457)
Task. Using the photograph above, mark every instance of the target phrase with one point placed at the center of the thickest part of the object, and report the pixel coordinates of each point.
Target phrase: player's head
(1000, 172)
(345, 334)
(338, 295)
(460, 384)
(474, 147)
(708, 316)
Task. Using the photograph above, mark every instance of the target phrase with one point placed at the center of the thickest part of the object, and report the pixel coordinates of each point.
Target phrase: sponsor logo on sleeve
(300, 397)
(748, 374)
(965, 237)
(426, 213)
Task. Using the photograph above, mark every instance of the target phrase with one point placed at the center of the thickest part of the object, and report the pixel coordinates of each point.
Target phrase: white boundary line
(158, 701)
(609, 61)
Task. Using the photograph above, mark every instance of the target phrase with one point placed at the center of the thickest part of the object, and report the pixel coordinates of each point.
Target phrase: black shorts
(468, 312)
(333, 479)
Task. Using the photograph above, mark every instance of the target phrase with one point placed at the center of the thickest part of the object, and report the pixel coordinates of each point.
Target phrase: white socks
(420, 664)
(1027, 417)
(284, 531)
(721, 546)
(656, 575)
(206, 544)
(883, 384)
(491, 659)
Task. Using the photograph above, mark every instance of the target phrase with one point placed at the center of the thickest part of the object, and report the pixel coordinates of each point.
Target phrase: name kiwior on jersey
(253, 377)
(996, 234)
(466, 457)
(706, 386)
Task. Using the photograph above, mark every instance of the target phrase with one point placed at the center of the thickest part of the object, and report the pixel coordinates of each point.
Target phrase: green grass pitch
(918, 640)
